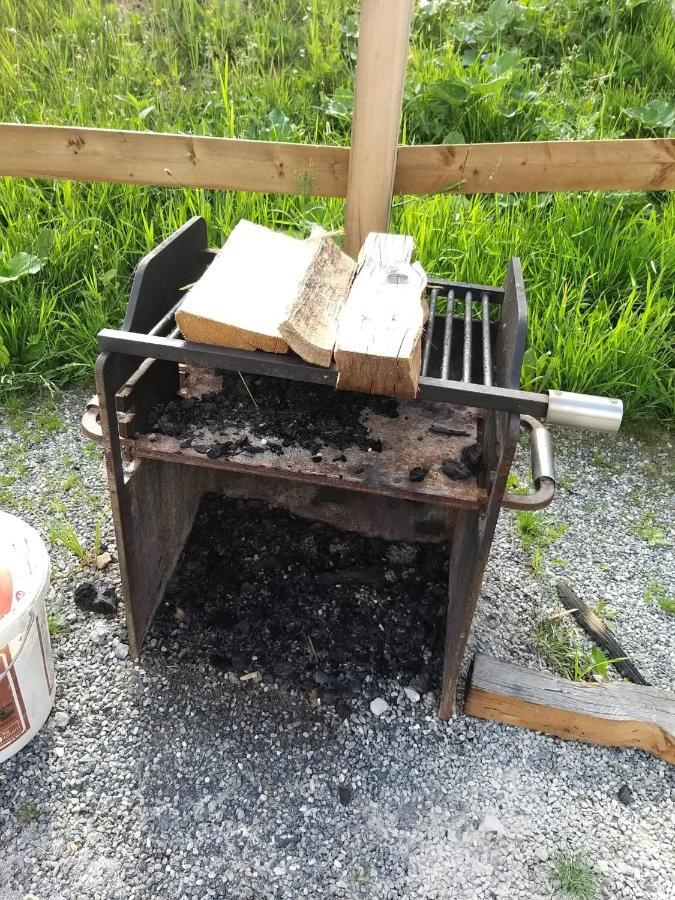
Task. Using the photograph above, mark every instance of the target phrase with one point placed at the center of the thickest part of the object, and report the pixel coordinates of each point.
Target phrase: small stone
(121, 651)
(345, 794)
(491, 824)
(541, 853)
(625, 795)
(411, 694)
(61, 719)
(378, 706)
(98, 633)
(603, 866)
(103, 560)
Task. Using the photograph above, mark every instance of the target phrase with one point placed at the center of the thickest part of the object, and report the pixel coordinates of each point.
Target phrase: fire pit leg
(463, 589)
(153, 509)
(470, 549)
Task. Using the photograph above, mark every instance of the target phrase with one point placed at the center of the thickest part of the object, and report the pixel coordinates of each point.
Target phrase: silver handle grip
(584, 411)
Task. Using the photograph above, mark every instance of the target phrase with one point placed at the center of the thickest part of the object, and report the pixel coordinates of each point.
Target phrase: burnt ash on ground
(283, 413)
(314, 607)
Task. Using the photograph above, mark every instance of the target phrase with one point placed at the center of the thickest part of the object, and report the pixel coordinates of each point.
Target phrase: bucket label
(13, 719)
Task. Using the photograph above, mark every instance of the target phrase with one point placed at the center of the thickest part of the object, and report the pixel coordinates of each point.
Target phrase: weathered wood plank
(179, 160)
(601, 634)
(172, 160)
(384, 31)
(612, 715)
(644, 164)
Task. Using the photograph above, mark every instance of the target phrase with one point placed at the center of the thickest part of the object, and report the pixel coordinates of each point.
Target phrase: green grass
(559, 647)
(600, 268)
(574, 877)
(653, 534)
(656, 593)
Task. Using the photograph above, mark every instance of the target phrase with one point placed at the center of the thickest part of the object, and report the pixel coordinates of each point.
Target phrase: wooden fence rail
(176, 160)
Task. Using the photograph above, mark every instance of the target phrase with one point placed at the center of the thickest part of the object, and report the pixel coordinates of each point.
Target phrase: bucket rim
(36, 551)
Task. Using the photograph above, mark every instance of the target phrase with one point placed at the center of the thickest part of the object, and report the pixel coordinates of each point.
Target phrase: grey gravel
(378, 706)
(175, 780)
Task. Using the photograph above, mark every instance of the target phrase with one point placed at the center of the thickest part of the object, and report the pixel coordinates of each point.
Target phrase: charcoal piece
(221, 662)
(185, 444)
(625, 795)
(455, 470)
(345, 794)
(472, 457)
(418, 473)
(96, 598)
(340, 458)
(215, 451)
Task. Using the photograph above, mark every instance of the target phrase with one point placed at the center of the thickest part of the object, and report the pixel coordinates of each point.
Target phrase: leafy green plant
(573, 876)
(651, 533)
(656, 593)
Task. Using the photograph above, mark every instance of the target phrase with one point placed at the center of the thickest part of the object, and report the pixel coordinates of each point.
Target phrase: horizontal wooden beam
(636, 165)
(172, 160)
(177, 160)
(612, 715)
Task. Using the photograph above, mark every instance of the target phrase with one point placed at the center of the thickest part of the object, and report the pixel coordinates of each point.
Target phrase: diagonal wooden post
(384, 32)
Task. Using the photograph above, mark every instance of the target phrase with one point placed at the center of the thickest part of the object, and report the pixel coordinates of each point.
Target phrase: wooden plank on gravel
(379, 336)
(611, 715)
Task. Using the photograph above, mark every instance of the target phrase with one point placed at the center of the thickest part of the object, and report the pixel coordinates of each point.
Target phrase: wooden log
(378, 344)
(611, 715)
(599, 632)
(310, 328)
(228, 307)
(384, 31)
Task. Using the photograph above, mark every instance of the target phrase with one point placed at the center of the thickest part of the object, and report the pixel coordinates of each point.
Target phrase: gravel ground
(169, 778)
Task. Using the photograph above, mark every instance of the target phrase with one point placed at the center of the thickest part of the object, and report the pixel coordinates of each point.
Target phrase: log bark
(611, 715)
(310, 327)
(599, 632)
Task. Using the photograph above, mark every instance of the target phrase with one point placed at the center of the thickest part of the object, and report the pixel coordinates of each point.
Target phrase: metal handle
(15, 659)
(543, 470)
(90, 426)
(584, 411)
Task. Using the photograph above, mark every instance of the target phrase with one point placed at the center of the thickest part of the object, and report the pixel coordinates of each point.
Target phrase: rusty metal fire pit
(468, 396)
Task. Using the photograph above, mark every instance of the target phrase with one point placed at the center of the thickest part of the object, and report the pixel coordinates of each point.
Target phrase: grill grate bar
(447, 336)
(487, 349)
(430, 330)
(466, 359)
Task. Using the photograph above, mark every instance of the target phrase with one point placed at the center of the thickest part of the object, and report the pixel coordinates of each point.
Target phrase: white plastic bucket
(27, 682)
